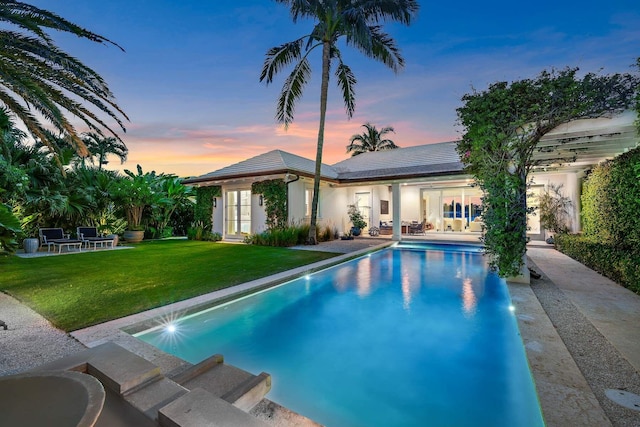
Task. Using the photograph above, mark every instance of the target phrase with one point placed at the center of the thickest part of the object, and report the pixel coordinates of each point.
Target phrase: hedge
(620, 265)
(611, 201)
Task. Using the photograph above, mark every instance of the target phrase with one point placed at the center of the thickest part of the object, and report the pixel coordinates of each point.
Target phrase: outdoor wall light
(260, 200)
(215, 202)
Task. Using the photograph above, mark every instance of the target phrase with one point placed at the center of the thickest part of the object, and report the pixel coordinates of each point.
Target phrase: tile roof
(276, 161)
(420, 160)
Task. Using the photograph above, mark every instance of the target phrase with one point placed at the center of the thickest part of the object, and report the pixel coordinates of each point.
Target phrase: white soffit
(587, 142)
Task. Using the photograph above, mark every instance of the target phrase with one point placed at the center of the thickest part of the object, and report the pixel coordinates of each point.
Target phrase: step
(154, 396)
(201, 408)
(247, 394)
(121, 370)
(227, 382)
(194, 370)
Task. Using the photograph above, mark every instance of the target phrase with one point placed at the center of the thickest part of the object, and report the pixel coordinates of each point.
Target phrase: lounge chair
(458, 224)
(90, 236)
(56, 237)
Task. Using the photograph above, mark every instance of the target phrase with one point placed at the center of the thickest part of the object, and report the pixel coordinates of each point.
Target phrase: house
(425, 183)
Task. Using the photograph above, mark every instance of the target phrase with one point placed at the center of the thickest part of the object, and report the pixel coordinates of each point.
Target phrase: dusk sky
(189, 79)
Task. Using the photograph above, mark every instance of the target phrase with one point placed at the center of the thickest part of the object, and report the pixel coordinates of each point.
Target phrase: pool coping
(564, 395)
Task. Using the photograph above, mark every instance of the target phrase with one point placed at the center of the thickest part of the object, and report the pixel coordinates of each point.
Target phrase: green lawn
(75, 291)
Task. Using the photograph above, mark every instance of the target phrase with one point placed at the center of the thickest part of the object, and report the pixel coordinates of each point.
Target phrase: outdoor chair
(416, 228)
(90, 236)
(56, 237)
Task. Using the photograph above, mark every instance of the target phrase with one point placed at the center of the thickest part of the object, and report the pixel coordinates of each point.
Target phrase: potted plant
(133, 193)
(554, 212)
(356, 219)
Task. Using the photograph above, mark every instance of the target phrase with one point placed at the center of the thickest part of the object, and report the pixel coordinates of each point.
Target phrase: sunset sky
(189, 76)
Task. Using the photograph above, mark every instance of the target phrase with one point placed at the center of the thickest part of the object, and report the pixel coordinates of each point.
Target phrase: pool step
(213, 394)
(234, 385)
(201, 408)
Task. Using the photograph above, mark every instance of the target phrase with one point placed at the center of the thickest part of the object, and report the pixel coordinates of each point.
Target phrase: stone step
(201, 408)
(234, 385)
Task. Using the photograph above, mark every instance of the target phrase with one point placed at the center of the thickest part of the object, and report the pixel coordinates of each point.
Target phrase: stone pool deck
(580, 331)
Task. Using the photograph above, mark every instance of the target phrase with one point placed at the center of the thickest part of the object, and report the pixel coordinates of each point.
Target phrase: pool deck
(580, 331)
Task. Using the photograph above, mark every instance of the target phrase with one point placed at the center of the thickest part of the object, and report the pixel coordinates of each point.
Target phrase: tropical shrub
(199, 231)
(9, 230)
(291, 235)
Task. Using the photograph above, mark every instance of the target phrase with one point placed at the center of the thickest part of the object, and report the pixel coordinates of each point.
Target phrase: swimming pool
(412, 335)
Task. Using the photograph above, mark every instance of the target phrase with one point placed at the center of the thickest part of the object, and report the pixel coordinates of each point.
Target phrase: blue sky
(189, 77)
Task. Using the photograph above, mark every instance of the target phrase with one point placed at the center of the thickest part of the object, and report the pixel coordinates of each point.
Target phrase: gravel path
(29, 340)
(601, 363)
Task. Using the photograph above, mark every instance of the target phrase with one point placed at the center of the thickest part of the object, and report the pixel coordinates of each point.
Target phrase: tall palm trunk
(324, 90)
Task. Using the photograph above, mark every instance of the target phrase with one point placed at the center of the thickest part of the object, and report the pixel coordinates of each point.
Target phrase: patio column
(397, 221)
(573, 190)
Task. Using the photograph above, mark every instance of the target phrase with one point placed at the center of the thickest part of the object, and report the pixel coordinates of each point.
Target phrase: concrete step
(234, 385)
(201, 408)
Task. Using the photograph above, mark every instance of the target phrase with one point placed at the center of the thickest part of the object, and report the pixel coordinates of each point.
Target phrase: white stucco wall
(217, 216)
(295, 207)
(410, 203)
(258, 215)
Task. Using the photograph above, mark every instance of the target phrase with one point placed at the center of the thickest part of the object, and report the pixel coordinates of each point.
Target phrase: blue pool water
(408, 336)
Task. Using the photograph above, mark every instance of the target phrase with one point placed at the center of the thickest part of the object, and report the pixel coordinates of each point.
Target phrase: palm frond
(379, 46)
(301, 8)
(47, 79)
(33, 19)
(346, 82)
(402, 11)
(279, 57)
(292, 91)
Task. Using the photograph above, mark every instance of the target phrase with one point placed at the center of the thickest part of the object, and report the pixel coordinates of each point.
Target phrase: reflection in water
(343, 277)
(364, 277)
(469, 299)
(406, 292)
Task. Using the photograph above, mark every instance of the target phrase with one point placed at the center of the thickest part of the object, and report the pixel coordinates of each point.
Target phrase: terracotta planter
(133, 236)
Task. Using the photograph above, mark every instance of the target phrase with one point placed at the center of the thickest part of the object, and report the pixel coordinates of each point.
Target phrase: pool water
(408, 336)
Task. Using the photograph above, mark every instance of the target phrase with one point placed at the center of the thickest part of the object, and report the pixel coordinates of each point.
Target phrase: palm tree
(36, 74)
(101, 147)
(371, 140)
(359, 22)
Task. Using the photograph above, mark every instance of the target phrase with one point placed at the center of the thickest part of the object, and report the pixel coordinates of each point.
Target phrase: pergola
(584, 143)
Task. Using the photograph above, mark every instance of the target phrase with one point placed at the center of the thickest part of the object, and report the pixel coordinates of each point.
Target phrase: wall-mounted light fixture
(260, 200)
(215, 202)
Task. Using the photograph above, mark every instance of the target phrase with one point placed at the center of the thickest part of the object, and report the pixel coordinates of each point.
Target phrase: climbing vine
(204, 205)
(274, 193)
(502, 128)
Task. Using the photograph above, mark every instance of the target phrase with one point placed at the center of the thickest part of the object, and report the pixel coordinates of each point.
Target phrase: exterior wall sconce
(215, 202)
(260, 200)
